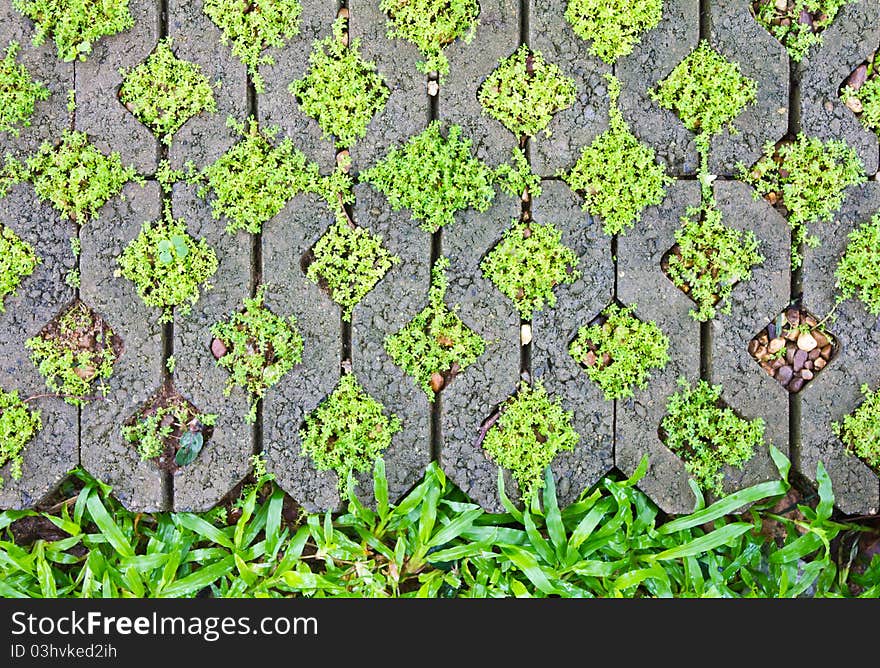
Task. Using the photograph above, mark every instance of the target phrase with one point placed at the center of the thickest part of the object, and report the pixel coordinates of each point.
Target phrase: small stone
(819, 364)
(809, 320)
(343, 160)
(814, 354)
(805, 18)
(784, 374)
(763, 338)
(808, 365)
(753, 347)
(829, 105)
(342, 13)
(775, 346)
(791, 335)
(821, 339)
(433, 88)
(799, 358)
(771, 330)
(218, 348)
(761, 352)
(796, 384)
(590, 358)
(767, 368)
(790, 350)
(525, 334)
(781, 5)
(777, 363)
(806, 341)
(806, 374)
(85, 372)
(436, 381)
(826, 352)
(858, 77)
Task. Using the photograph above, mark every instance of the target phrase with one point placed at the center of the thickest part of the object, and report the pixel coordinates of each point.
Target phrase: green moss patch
(434, 176)
(74, 352)
(252, 26)
(613, 27)
(347, 262)
(860, 431)
(348, 431)
(168, 266)
(164, 92)
(257, 348)
(530, 431)
(524, 92)
(435, 346)
(708, 435)
(18, 425)
(19, 93)
(340, 90)
(857, 270)
(17, 261)
(431, 25)
(528, 262)
(516, 177)
(865, 101)
(619, 351)
(617, 175)
(797, 23)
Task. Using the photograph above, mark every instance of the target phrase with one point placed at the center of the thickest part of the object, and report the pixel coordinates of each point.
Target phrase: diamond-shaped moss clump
(18, 93)
(75, 25)
(18, 425)
(164, 92)
(798, 24)
(169, 430)
(857, 270)
(527, 434)
(528, 262)
(524, 92)
(708, 435)
(348, 431)
(861, 93)
(613, 27)
(434, 176)
(340, 90)
(251, 26)
(706, 91)
(435, 346)
(860, 430)
(257, 348)
(431, 25)
(708, 259)
(618, 351)
(617, 175)
(168, 266)
(347, 262)
(74, 351)
(17, 261)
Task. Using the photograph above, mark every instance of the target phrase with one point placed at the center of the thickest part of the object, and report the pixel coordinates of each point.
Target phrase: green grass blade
(108, 527)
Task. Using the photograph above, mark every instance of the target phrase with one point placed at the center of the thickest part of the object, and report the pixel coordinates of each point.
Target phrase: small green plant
(860, 431)
(617, 175)
(619, 351)
(435, 345)
(528, 262)
(164, 92)
(615, 27)
(75, 24)
(431, 25)
(251, 27)
(74, 351)
(18, 93)
(18, 425)
(347, 432)
(340, 90)
(797, 23)
(259, 347)
(434, 176)
(515, 177)
(17, 262)
(868, 96)
(857, 270)
(530, 431)
(708, 435)
(167, 265)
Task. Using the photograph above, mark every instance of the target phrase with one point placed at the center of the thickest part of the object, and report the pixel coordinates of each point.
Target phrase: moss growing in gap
(856, 272)
(347, 432)
(530, 431)
(516, 177)
(619, 351)
(613, 27)
(19, 93)
(433, 176)
(617, 175)
(257, 348)
(340, 90)
(168, 266)
(860, 431)
(708, 435)
(164, 92)
(524, 92)
(868, 105)
(254, 26)
(797, 23)
(17, 262)
(18, 425)
(431, 25)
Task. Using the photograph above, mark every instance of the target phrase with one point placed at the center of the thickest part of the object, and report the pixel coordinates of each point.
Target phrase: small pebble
(826, 352)
(436, 381)
(781, 5)
(858, 77)
(806, 374)
(525, 334)
(775, 346)
(806, 341)
(799, 358)
(814, 354)
(218, 348)
(819, 364)
(821, 339)
(784, 374)
(433, 88)
(796, 384)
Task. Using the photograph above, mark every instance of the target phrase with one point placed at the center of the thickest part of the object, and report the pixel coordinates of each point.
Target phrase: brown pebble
(810, 320)
(826, 352)
(761, 353)
(806, 374)
(777, 363)
(799, 358)
(218, 348)
(791, 335)
(796, 384)
(342, 13)
(854, 104)
(781, 5)
(790, 350)
(767, 368)
(606, 359)
(775, 346)
(793, 317)
(805, 18)
(858, 77)
(808, 365)
(814, 354)
(590, 358)
(806, 341)
(784, 374)
(436, 381)
(763, 338)
(819, 364)
(753, 347)
(821, 339)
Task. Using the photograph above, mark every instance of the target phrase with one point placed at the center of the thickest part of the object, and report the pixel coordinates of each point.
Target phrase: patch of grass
(168, 266)
(790, 25)
(431, 25)
(435, 345)
(860, 430)
(708, 435)
(348, 432)
(528, 262)
(18, 425)
(615, 27)
(515, 177)
(252, 27)
(75, 24)
(524, 92)
(857, 270)
(433, 176)
(164, 92)
(260, 348)
(617, 175)
(19, 93)
(17, 262)
(619, 352)
(340, 90)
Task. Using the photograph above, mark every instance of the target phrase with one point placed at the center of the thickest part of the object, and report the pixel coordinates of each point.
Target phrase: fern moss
(857, 270)
(18, 425)
(17, 261)
(613, 27)
(860, 431)
(19, 93)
